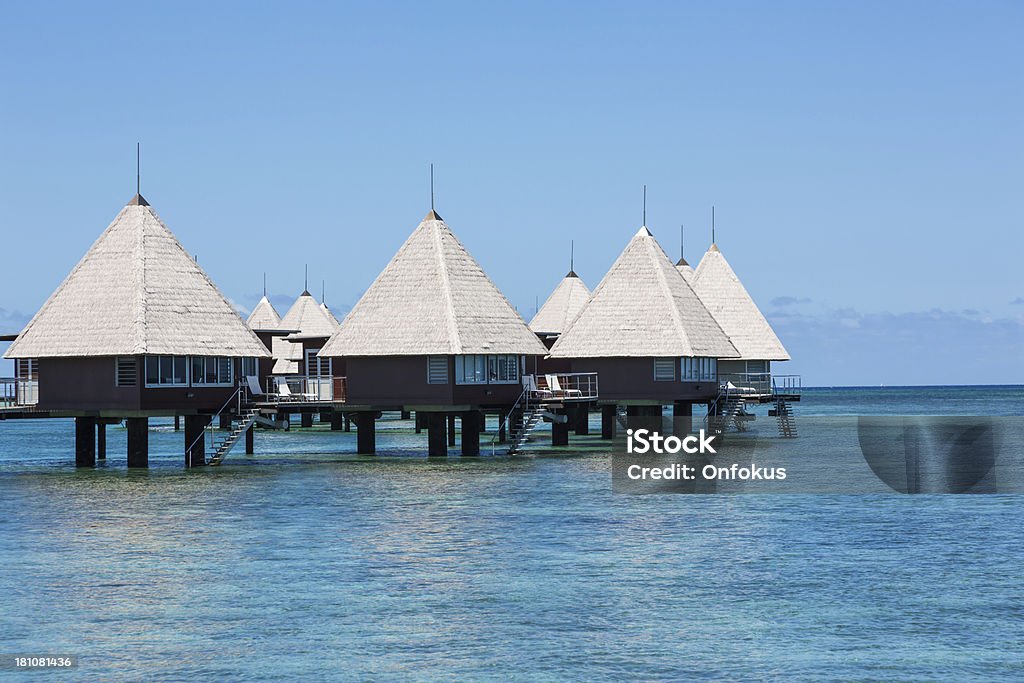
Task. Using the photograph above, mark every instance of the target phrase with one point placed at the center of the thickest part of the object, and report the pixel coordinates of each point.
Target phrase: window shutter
(127, 371)
(664, 369)
(437, 369)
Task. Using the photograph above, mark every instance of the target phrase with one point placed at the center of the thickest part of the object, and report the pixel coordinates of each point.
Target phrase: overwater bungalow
(434, 335)
(301, 368)
(735, 311)
(647, 335)
(567, 299)
(136, 330)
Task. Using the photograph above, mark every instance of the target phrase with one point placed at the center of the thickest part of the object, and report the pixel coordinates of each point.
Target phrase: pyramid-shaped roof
(565, 302)
(432, 298)
(685, 269)
(728, 300)
(308, 318)
(136, 291)
(643, 307)
(330, 316)
(264, 316)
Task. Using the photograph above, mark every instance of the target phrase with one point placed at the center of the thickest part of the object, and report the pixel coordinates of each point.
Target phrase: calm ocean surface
(308, 562)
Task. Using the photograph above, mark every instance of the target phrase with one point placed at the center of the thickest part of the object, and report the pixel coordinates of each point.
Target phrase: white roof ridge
(683, 336)
(446, 288)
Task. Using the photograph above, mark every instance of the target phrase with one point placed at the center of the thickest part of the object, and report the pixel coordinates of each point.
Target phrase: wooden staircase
(784, 416)
(221, 448)
(521, 435)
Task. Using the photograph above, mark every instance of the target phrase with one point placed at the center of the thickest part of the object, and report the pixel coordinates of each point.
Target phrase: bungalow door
(319, 378)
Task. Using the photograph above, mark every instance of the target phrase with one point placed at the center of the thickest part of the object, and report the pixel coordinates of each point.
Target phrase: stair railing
(208, 428)
(524, 398)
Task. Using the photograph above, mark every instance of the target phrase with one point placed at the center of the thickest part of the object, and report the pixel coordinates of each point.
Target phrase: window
(318, 367)
(212, 371)
(27, 368)
(126, 371)
(250, 367)
(700, 369)
(664, 369)
(166, 371)
(437, 369)
(490, 369)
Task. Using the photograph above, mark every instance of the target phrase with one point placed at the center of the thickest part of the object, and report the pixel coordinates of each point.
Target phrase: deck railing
(762, 383)
(16, 391)
(326, 389)
(563, 386)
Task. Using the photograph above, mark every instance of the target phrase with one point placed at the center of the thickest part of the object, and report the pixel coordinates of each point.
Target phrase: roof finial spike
(682, 256)
(264, 283)
(645, 206)
(305, 280)
(572, 255)
(431, 186)
(138, 168)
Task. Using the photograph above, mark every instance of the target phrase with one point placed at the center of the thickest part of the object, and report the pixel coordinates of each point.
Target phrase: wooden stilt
(325, 416)
(101, 440)
(437, 441)
(307, 419)
(451, 429)
(85, 441)
(177, 423)
(418, 422)
(195, 441)
(138, 441)
(366, 433)
(225, 421)
(582, 419)
(560, 430)
(608, 416)
(472, 421)
(250, 440)
(502, 427)
(406, 415)
(337, 422)
(682, 417)
(348, 422)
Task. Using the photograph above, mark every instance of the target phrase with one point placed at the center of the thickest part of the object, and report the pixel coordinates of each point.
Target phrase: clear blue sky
(866, 159)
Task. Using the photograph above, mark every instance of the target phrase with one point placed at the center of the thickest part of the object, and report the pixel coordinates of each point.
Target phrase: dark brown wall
(88, 384)
(402, 380)
(621, 379)
(394, 380)
(84, 384)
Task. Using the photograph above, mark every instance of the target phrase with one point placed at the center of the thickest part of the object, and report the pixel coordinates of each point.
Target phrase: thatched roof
(432, 298)
(685, 269)
(308, 318)
(264, 316)
(728, 300)
(136, 291)
(562, 306)
(330, 316)
(643, 307)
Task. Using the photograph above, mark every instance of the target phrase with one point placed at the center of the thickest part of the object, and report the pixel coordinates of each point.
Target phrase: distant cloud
(12, 322)
(242, 310)
(1019, 301)
(935, 346)
(781, 301)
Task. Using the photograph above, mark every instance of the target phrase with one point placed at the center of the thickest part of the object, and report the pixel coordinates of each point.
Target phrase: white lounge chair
(557, 388)
(253, 384)
(530, 382)
(284, 393)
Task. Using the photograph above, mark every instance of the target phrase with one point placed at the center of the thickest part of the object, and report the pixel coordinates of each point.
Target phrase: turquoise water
(307, 562)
